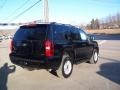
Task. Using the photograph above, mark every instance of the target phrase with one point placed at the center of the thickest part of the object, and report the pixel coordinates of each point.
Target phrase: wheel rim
(67, 67)
(95, 56)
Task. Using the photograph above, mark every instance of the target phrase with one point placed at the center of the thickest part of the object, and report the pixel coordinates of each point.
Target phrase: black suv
(52, 46)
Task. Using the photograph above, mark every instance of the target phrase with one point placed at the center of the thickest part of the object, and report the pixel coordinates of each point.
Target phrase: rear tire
(66, 67)
(94, 58)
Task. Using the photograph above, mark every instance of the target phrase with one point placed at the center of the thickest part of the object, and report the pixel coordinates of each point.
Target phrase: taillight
(49, 48)
(11, 45)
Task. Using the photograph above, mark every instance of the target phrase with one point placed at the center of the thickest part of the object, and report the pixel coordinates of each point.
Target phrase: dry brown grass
(8, 31)
(104, 31)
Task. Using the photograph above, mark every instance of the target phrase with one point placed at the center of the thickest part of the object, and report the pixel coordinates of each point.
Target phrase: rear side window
(59, 32)
(75, 33)
(31, 33)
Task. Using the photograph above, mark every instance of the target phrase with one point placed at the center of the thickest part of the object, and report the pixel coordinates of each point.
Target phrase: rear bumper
(46, 63)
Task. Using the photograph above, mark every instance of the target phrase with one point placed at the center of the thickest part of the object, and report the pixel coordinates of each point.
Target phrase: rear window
(31, 33)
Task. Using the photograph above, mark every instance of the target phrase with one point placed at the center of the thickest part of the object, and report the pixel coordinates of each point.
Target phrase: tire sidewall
(95, 52)
(65, 59)
(92, 60)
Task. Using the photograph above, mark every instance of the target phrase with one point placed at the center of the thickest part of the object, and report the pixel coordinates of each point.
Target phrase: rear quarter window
(59, 32)
(75, 34)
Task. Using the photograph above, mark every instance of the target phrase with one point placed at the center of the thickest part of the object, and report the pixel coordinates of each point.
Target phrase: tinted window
(31, 33)
(59, 32)
(75, 34)
(83, 35)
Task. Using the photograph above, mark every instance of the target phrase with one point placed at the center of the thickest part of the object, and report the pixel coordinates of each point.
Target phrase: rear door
(28, 41)
(60, 41)
(76, 42)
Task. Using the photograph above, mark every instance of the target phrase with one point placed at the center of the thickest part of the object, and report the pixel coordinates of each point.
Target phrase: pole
(46, 11)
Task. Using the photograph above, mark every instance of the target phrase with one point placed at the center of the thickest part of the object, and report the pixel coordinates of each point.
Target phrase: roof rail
(61, 24)
(57, 23)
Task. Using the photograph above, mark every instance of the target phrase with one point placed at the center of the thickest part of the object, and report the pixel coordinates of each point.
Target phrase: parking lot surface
(105, 75)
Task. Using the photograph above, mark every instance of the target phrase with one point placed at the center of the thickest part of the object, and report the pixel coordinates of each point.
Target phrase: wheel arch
(70, 52)
(96, 48)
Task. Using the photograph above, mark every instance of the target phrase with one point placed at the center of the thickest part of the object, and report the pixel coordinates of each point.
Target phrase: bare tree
(118, 19)
(95, 24)
(109, 22)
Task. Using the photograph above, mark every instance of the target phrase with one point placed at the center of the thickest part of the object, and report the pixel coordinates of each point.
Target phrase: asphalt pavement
(105, 75)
